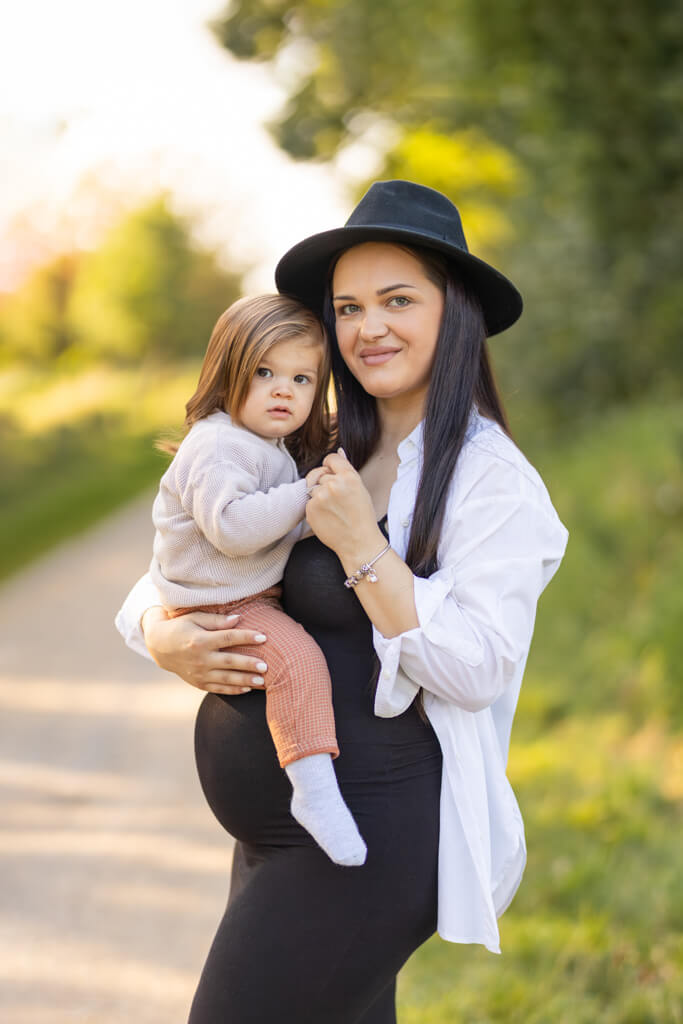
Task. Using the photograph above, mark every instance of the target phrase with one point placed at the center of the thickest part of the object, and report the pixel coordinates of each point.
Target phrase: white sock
(318, 805)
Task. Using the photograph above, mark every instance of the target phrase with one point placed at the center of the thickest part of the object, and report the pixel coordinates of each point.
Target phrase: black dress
(302, 940)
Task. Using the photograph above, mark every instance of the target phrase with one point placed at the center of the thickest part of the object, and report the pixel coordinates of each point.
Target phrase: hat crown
(404, 205)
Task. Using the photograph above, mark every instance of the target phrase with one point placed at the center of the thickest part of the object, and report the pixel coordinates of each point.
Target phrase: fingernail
(258, 680)
(261, 666)
(246, 689)
(259, 638)
(340, 451)
(231, 618)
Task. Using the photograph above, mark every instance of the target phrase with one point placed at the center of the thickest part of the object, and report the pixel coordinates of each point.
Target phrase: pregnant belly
(239, 772)
(394, 765)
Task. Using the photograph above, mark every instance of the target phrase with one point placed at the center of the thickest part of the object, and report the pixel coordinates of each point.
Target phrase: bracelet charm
(366, 572)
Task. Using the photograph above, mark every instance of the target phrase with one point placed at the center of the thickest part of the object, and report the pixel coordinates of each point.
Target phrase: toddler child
(230, 508)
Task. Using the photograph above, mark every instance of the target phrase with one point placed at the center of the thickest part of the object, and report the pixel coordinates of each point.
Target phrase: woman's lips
(377, 356)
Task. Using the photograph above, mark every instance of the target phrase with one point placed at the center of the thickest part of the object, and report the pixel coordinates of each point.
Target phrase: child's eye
(301, 378)
(399, 300)
(263, 371)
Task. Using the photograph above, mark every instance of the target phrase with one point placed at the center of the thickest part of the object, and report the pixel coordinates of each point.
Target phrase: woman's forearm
(389, 602)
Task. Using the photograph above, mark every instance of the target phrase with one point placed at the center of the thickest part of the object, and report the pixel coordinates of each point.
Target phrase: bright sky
(105, 103)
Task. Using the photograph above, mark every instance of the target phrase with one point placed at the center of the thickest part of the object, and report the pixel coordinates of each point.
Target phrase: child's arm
(236, 517)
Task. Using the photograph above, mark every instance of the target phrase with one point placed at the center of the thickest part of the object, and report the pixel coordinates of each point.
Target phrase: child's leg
(301, 721)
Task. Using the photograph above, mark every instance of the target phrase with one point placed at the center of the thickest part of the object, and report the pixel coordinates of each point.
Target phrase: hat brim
(302, 271)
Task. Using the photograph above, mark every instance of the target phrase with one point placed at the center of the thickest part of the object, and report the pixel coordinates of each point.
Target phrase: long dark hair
(461, 378)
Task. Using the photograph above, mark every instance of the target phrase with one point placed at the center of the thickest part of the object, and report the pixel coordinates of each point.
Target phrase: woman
(445, 537)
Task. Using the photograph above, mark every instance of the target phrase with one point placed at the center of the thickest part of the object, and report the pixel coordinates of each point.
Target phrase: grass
(75, 446)
(595, 933)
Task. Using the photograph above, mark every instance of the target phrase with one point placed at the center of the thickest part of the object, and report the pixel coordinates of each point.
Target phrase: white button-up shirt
(501, 543)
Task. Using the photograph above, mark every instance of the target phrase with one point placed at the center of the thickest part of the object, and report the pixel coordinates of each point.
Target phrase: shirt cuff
(144, 595)
(395, 690)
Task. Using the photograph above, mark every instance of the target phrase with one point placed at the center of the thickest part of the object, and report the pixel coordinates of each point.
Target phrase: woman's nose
(372, 325)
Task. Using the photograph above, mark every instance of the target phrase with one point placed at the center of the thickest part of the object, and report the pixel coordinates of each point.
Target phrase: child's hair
(238, 343)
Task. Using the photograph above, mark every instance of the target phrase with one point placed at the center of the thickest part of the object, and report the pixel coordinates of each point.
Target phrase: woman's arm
(476, 614)
(191, 645)
(342, 515)
(465, 632)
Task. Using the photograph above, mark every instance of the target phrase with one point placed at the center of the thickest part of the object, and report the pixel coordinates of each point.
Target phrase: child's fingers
(338, 463)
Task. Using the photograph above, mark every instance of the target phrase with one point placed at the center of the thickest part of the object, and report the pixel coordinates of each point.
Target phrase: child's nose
(282, 387)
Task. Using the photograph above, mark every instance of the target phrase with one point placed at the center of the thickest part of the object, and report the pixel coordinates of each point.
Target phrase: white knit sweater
(228, 512)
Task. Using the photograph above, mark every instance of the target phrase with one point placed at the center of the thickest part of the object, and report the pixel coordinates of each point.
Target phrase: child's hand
(313, 476)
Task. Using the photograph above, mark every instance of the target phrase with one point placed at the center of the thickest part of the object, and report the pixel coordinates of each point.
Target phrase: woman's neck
(398, 417)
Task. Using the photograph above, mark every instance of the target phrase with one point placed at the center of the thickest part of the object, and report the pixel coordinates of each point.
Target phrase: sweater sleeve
(234, 515)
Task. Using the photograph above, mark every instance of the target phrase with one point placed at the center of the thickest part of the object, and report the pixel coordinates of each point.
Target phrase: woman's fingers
(233, 638)
(212, 621)
(197, 647)
(226, 679)
(337, 463)
(230, 683)
(228, 661)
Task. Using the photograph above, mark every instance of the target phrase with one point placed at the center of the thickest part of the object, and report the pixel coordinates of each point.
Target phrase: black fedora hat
(405, 213)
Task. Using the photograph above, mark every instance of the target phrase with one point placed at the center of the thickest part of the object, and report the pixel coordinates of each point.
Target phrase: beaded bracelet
(366, 570)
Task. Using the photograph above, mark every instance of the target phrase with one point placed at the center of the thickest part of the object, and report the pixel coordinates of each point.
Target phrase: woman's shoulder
(491, 462)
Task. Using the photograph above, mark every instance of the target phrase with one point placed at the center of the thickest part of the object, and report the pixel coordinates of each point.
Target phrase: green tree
(582, 97)
(147, 291)
(33, 324)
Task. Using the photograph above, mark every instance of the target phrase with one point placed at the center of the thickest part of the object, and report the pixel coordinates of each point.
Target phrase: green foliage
(608, 632)
(33, 325)
(147, 292)
(76, 446)
(594, 933)
(585, 101)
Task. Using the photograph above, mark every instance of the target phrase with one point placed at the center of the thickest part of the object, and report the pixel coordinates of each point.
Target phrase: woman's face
(388, 315)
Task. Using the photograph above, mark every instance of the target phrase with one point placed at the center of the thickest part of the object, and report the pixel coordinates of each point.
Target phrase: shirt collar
(411, 446)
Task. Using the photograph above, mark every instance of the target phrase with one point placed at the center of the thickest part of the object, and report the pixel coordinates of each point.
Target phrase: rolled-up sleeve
(501, 544)
(144, 595)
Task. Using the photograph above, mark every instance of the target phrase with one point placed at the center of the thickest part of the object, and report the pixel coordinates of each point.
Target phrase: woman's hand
(341, 514)
(192, 647)
(313, 476)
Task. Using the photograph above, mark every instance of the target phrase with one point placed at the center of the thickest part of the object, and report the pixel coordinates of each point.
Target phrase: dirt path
(113, 873)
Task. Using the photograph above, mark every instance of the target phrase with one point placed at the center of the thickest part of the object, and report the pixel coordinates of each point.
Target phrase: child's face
(282, 390)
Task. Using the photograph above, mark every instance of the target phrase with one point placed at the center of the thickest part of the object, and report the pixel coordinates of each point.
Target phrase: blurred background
(159, 157)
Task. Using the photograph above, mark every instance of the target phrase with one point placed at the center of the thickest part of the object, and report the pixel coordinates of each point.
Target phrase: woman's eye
(301, 378)
(399, 300)
(348, 309)
(263, 371)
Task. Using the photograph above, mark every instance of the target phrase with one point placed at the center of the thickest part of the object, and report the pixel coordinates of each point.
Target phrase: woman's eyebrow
(380, 291)
(392, 287)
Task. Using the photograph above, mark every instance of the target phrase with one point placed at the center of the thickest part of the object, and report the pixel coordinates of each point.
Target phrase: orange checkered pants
(298, 689)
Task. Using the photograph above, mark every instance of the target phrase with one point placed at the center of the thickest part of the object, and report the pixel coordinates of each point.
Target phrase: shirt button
(405, 522)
